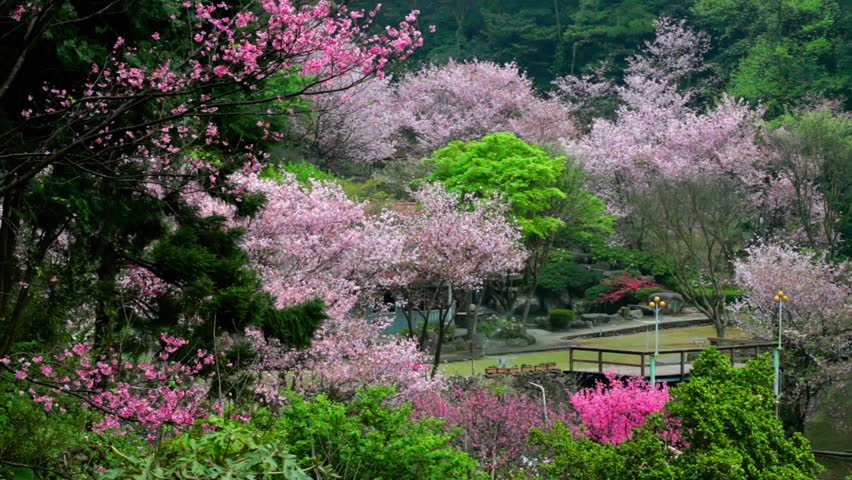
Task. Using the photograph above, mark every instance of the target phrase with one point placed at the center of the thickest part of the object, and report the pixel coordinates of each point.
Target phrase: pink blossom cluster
(360, 124)
(611, 410)
(146, 394)
(230, 51)
(495, 427)
(656, 132)
(468, 100)
(375, 121)
(458, 241)
(816, 317)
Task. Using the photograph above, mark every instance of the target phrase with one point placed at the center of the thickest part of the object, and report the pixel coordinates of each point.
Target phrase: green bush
(561, 272)
(29, 435)
(561, 318)
(510, 330)
(593, 294)
(732, 294)
(644, 293)
(233, 450)
(368, 439)
(318, 438)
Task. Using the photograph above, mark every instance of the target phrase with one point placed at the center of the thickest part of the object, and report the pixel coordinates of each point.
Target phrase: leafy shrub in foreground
(367, 439)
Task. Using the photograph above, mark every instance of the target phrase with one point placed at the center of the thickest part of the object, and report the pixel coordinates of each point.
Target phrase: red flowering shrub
(625, 286)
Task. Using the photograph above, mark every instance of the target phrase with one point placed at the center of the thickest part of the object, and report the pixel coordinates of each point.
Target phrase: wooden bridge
(672, 365)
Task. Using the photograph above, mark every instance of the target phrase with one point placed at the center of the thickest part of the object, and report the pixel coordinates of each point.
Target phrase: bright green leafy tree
(525, 175)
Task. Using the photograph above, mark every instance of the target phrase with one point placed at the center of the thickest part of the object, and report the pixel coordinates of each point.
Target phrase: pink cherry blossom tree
(467, 100)
(311, 241)
(359, 124)
(229, 52)
(153, 119)
(816, 331)
(151, 396)
(451, 243)
(657, 132)
(494, 426)
(610, 411)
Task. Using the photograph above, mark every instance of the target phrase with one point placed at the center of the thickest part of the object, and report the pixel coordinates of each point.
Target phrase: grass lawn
(674, 338)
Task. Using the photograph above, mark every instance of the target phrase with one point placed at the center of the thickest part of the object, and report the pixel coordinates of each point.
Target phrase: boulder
(595, 318)
(636, 313)
(674, 302)
(579, 306)
(517, 342)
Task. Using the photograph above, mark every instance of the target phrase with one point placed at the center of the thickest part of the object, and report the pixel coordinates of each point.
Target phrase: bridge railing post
(642, 364)
(682, 363)
(570, 359)
(600, 361)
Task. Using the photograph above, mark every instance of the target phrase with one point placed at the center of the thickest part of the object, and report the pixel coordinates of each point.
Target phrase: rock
(595, 318)
(516, 342)
(579, 306)
(580, 324)
(636, 313)
(674, 302)
(600, 266)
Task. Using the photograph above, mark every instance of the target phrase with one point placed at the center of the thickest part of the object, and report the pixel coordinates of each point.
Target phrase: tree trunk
(13, 323)
(106, 292)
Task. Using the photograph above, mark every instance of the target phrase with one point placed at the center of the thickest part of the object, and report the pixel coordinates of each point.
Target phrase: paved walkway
(546, 340)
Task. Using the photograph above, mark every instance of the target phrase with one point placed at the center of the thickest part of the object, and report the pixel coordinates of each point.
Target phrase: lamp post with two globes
(657, 305)
(780, 298)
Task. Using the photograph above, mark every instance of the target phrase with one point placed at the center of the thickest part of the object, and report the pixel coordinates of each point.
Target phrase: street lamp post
(780, 298)
(656, 304)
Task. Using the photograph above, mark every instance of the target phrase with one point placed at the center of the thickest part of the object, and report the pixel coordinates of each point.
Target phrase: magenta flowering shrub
(494, 427)
(144, 394)
(610, 411)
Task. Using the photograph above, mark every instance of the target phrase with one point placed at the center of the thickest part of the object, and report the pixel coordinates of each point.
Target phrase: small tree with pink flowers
(611, 410)
(468, 100)
(494, 427)
(151, 396)
(816, 331)
(450, 244)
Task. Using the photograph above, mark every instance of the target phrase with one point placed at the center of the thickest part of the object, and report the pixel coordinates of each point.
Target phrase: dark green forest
(780, 53)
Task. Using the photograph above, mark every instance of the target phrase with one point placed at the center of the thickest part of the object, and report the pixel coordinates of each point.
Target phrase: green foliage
(644, 293)
(728, 419)
(29, 435)
(501, 163)
(561, 318)
(488, 326)
(586, 222)
(644, 456)
(816, 146)
(233, 449)
(593, 294)
(368, 439)
(295, 325)
(561, 272)
(304, 171)
(779, 53)
(509, 330)
(204, 258)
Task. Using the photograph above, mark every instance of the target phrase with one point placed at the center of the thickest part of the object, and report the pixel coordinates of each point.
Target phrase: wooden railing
(751, 349)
